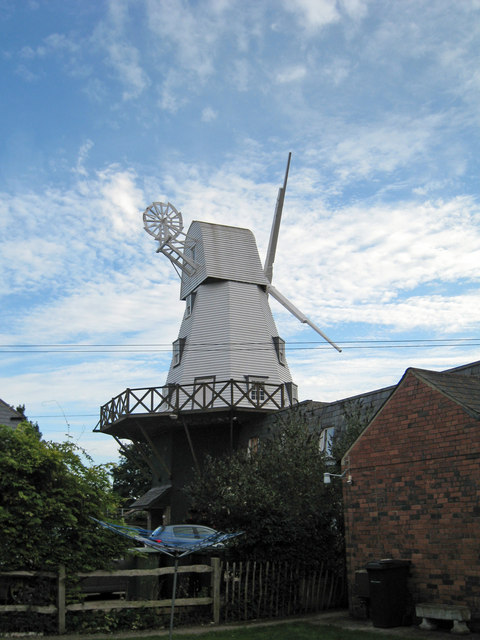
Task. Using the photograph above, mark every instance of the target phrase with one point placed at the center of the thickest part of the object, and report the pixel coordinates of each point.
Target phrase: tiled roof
(462, 389)
(149, 499)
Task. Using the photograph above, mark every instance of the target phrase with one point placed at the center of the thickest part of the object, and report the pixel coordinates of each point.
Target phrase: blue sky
(108, 106)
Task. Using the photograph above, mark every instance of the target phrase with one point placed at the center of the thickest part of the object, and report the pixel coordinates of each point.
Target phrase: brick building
(414, 491)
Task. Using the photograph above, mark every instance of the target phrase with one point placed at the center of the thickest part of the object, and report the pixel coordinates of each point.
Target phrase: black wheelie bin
(388, 592)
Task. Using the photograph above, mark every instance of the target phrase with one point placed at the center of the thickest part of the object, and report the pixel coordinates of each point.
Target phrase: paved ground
(336, 618)
(342, 619)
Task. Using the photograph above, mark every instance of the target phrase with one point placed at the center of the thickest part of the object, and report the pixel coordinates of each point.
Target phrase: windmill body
(228, 331)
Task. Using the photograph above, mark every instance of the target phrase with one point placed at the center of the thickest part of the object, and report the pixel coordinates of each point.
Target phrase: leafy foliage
(47, 495)
(356, 416)
(21, 411)
(276, 496)
(132, 475)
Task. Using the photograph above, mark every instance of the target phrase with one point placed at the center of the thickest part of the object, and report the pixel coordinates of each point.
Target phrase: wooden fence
(237, 591)
(279, 589)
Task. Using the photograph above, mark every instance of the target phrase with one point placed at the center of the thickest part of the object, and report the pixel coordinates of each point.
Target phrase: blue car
(175, 540)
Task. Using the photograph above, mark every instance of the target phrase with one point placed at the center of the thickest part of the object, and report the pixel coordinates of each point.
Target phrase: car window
(204, 532)
(184, 532)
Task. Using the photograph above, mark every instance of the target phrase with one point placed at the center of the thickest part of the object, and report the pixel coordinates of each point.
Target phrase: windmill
(228, 368)
(228, 331)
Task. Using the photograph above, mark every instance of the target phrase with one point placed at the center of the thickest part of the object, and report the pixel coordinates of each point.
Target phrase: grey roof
(148, 500)
(8, 415)
(460, 388)
(471, 369)
(224, 253)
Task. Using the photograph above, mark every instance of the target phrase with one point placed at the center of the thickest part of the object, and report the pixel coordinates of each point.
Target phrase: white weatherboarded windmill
(228, 331)
(228, 368)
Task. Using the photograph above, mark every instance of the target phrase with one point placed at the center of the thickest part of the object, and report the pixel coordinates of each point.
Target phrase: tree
(132, 476)
(47, 498)
(276, 496)
(21, 411)
(356, 416)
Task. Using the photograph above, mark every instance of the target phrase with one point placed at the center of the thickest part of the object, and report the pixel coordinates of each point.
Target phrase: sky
(108, 106)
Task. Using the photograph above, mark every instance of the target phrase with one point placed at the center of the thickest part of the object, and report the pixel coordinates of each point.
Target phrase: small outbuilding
(411, 489)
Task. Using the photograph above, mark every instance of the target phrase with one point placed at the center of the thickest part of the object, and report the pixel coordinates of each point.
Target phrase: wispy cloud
(292, 74)
(313, 14)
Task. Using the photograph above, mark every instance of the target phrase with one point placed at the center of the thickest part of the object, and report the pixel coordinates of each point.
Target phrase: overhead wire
(238, 346)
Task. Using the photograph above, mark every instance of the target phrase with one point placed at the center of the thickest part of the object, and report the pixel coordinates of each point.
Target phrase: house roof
(153, 498)
(462, 389)
(8, 415)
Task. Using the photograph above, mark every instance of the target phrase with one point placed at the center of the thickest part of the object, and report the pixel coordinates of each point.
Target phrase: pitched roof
(152, 498)
(462, 389)
(8, 415)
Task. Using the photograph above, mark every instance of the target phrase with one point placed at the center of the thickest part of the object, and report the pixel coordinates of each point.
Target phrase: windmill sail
(277, 218)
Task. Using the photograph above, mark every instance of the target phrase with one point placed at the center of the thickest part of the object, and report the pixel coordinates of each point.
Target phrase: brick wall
(414, 494)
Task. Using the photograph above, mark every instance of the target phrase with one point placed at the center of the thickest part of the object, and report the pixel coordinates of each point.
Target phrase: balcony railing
(199, 396)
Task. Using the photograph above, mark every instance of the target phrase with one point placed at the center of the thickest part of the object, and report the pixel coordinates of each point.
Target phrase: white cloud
(82, 157)
(120, 198)
(384, 147)
(209, 114)
(194, 41)
(122, 56)
(291, 74)
(313, 14)
(125, 59)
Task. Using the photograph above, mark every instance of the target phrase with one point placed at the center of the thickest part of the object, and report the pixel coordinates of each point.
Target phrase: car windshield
(183, 531)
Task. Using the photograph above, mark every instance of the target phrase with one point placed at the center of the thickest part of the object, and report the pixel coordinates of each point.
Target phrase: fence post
(215, 562)
(61, 599)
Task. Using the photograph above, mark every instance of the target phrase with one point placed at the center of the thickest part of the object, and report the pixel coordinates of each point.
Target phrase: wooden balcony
(200, 397)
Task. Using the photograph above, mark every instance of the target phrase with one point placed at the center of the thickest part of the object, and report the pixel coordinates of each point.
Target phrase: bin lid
(387, 563)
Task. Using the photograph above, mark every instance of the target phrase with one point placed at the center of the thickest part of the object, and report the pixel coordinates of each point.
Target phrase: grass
(289, 631)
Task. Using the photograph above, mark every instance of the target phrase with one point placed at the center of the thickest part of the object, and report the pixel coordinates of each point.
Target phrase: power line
(238, 346)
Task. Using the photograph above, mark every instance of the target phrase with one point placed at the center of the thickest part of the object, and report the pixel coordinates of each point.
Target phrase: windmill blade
(277, 217)
(298, 314)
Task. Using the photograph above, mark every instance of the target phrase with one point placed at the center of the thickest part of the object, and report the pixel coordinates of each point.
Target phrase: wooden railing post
(216, 575)
(61, 606)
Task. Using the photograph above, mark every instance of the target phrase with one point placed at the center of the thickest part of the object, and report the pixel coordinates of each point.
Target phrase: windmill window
(189, 304)
(280, 349)
(256, 387)
(258, 391)
(178, 347)
(325, 441)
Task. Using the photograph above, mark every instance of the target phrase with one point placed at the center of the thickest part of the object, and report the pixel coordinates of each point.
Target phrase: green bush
(47, 497)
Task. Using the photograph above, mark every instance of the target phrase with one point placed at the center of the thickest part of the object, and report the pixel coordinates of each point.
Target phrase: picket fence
(237, 591)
